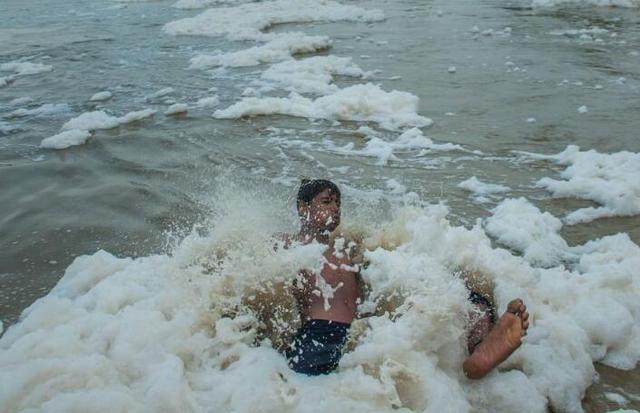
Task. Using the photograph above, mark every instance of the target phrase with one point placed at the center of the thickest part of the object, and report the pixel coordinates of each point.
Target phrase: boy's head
(319, 204)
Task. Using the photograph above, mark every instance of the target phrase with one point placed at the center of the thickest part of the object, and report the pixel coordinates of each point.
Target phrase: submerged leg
(503, 339)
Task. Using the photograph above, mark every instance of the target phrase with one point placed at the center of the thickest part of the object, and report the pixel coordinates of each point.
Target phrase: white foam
(408, 140)
(92, 121)
(175, 332)
(610, 180)
(177, 108)
(101, 96)
(367, 102)
(313, 75)
(25, 68)
(282, 47)
(481, 189)
(579, 32)
(47, 109)
(208, 102)
(161, 93)
(66, 139)
(247, 21)
(136, 116)
(520, 225)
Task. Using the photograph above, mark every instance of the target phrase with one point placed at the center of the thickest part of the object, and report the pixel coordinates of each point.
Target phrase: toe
(525, 316)
(514, 306)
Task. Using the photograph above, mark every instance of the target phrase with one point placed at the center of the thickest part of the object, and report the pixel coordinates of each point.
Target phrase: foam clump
(520, 225)
(208, 102)
(77, 130)
(25, 68)
(386, 150)
(47, 109)
(250, 21)
(481, 190)
(161, 93)
(136, 116)
(92, 121)
(579, 32)
(101, 96)
(21, 69)
(176, 109)
(247, 21)
(313, 75)
(281, 47)
(366, 102)
(66, 139)
(610, 180)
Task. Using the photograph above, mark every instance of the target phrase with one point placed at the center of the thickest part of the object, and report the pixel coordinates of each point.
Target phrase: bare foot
(500, 343)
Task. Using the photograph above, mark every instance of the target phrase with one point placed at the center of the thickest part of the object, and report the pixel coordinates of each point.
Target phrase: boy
(328, 301)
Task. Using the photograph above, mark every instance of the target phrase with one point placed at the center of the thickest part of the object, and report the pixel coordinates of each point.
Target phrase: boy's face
(323, 212)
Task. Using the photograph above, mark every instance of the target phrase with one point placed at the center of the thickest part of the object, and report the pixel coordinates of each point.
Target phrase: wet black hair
(309, 188)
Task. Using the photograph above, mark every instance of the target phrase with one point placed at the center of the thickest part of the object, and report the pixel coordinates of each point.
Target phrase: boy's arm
(301, 288)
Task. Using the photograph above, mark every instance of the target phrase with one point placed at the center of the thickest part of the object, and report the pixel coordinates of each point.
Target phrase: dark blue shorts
(317, 347)
(476, 298)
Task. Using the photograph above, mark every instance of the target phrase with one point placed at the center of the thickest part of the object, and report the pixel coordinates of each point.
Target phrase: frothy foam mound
(481, 190)
(247, 21)
(367, 102)
(283, 47)
(92, 121)
(518, 224)
(44, 110)
(385, 150)
(100, 96)
(313, 75)
(66, 139)
(196, 330)
(76, 131)
(608, 179)
(21, 69)
(25, 68)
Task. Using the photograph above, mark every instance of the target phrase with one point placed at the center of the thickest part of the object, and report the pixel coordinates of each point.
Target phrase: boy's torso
(334, 296)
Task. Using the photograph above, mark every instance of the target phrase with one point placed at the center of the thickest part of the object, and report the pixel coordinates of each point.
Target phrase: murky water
(127, 187)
